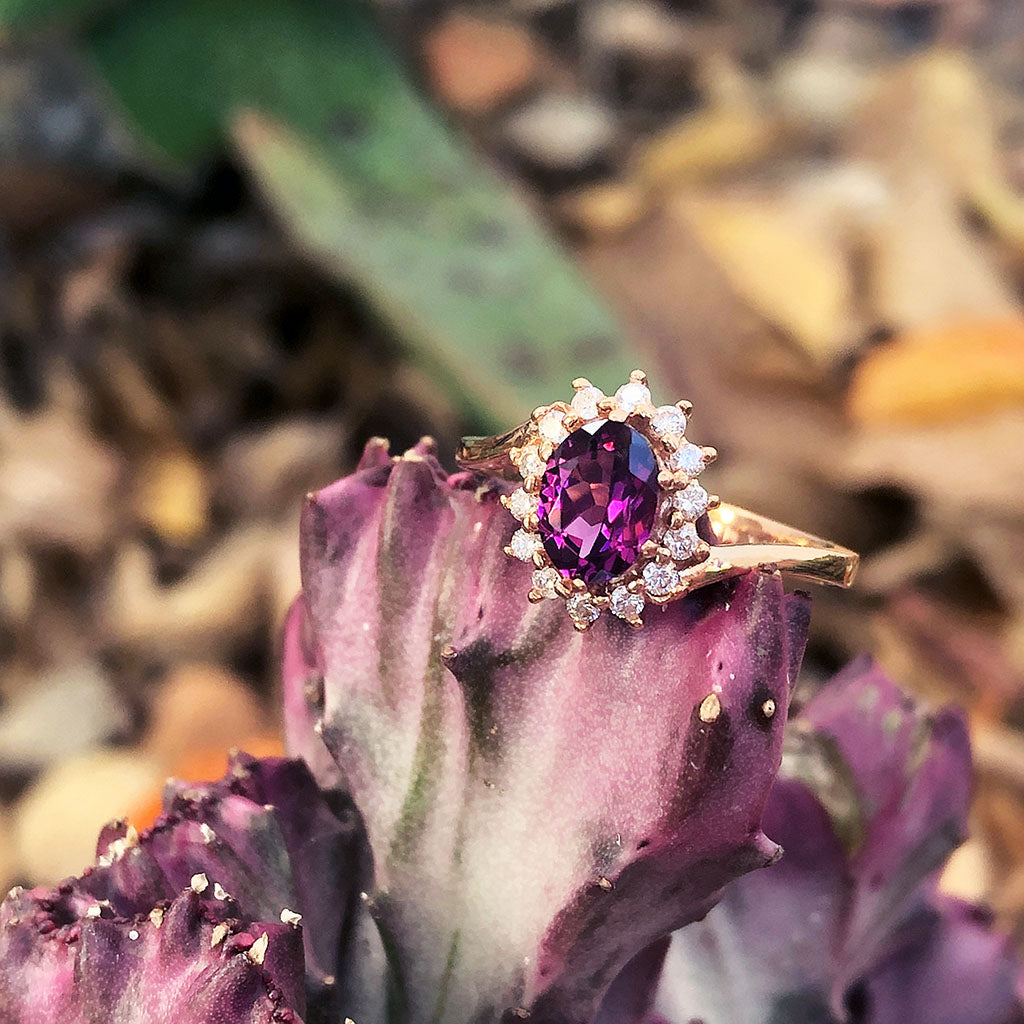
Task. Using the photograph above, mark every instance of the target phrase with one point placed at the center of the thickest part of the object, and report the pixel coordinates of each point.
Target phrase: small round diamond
(545, 581)
(531, 464)
(522, 504)
(552, 427)
(582, 610)
(524, 545)
(668, 419)
(630, 395)
(692, 500)
(689, 458)
(584, 402)
(660, 579)
(682, 543)
(626, 604)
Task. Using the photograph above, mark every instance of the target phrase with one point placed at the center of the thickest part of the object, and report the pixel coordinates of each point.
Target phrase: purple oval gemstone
(598, 500)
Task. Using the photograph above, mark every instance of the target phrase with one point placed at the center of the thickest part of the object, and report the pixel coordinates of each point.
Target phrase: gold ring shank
(489, 455)
(746, 540)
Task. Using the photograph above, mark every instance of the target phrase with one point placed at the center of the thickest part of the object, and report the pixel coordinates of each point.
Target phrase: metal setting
(676, 559)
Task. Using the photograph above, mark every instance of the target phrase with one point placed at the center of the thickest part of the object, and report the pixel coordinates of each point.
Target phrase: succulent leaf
(66, 957)
(872, 797)
(235, 860)
(541, 805)
(950, 967)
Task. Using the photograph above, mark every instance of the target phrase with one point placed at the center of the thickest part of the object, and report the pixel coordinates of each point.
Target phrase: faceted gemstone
(667, 420)
(551, 427)
(598, 499)
(682, 543)
(692, 500)
(524, 545)
(545, 580)
(530, 463)
(660, 579)
(582, 609)
(626, 604)
(630, 395)
(521, 503)
(584, 402)
(689, 458)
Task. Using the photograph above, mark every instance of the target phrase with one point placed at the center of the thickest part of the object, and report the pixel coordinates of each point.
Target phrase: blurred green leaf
(17, 14)
(372, 181)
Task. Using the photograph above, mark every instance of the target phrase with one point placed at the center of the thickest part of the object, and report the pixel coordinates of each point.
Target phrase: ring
(612, 515)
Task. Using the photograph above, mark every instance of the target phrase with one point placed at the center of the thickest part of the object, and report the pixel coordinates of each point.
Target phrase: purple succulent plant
(849, 927)
(192, 920)
(540, 804)
(492, 816)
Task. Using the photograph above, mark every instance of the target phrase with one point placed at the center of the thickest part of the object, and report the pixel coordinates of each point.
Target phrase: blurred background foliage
(239, 238)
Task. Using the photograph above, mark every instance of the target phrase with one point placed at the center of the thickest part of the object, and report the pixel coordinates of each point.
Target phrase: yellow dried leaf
(604, 210)
(923, 130)
(702, 145)
(962, 130)
(172, 497)
(938, 110)
(932, 375)
(786, 272)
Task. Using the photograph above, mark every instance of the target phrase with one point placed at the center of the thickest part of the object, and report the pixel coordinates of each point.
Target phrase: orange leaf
(933, 375)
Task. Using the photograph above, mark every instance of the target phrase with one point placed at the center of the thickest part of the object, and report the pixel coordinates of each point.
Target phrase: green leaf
(19, 14)
(29, 15)
(372, 182)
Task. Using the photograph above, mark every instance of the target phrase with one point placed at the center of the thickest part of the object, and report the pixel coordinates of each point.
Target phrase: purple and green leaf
(540, 804)
(872, 798)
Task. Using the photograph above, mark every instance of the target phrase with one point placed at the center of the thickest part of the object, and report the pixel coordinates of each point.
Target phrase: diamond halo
(657, 574)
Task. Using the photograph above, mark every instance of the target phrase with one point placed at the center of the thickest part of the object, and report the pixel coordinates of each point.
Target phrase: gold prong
(535, 596)
(606, 406)
(639, 376)
(538, 413)
(504, 499)
(681, 479)
(573, 421)
(663, 556)
(635, 586)
(710, 454)
(714, 501)
(563, 588)
(649, 548)
(514, 455)
(677, 520)
(685, 407)
(579, 586)
(702, 554)
(638, 419)
(531, 483)
(602, 602)
(666, 478)
(508, 550)
(531, 522)
(580, 383)
(580, 627)
(540, 558)
(636, 623)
